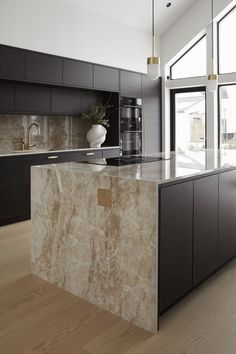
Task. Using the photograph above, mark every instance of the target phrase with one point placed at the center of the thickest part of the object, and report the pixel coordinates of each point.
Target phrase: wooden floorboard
(38, 317)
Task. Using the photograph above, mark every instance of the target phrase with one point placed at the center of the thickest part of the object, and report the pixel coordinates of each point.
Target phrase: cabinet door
(106, 78)
(43, 68)
(6, 97)
(13, 190)
(66, 101)
(12, 63)
(77, 73)
(227, 216)
(32, 99)
(151, 94)
(175, 243)
(130, 84)
(205, 244)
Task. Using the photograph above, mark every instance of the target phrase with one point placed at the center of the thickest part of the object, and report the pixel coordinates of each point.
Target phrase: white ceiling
(137, 13)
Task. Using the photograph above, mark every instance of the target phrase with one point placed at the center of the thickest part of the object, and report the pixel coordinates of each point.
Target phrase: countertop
(47, 151)
(174, 166)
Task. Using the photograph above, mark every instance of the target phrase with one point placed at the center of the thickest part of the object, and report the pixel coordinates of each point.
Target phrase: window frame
(187, 51)
(218, 43)
(173, 92)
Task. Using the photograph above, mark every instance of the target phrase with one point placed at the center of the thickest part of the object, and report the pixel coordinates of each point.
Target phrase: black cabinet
(77, 73)
(130, 84)
(108, 153)
(66, 101)
(227, 216)
(13, 190)
(175, 243)
(6, 97)
(32, 99)
(151, 104)
(88, 155)
(106, 78)
(205, 244)
(12, 63)
(43, 68)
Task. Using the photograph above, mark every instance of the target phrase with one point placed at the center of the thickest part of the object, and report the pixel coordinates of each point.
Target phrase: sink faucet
(30, 145)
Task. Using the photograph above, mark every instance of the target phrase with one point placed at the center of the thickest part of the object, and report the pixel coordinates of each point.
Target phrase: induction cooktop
(126, 160)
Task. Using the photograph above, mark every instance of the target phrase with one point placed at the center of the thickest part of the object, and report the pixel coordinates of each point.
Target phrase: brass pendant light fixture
(212, 78)
(153, 62)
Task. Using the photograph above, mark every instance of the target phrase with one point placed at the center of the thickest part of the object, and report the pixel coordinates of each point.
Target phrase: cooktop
(125, 160)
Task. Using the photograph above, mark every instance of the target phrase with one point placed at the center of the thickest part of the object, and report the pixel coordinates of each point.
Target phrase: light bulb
(212, 82)
(153, 68)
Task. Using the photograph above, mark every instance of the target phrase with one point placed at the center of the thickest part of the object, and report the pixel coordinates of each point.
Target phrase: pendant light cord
(212, 27)
(153, 28)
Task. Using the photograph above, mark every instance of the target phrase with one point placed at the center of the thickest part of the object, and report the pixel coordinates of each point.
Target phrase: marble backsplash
(56, 132)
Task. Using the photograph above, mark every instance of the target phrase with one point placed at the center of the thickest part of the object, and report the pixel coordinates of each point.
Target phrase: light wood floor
(37, 317)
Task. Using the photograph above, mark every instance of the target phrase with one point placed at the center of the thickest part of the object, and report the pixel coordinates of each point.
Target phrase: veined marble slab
(106, 255)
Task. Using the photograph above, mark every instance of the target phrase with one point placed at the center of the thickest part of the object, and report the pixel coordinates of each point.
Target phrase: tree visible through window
(192, 63)
(227, 48)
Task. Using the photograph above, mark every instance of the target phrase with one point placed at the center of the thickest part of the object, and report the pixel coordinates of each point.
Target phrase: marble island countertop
(46, 151)
(175, 166)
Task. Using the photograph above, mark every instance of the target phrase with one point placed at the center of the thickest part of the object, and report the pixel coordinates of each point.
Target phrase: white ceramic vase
(96, 135)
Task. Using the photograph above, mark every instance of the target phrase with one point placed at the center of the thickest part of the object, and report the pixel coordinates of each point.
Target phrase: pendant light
(153, 63)
(212, 78)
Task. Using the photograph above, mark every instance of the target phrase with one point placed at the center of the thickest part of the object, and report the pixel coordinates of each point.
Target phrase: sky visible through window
(227, 46)
(193, 63)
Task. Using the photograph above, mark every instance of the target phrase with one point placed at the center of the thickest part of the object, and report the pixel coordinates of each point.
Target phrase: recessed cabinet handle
(90, 153)
(53, 157)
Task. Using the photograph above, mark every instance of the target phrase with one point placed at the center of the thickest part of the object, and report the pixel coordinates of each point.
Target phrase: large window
(192, 63)
(227, 97)
(227, 47)
(189, 119)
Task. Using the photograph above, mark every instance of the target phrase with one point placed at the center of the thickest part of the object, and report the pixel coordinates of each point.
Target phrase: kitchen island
(134, 239)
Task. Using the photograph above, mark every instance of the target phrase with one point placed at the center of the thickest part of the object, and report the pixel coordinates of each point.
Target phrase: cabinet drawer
(77, 73)
(43, 68)
(12, 63)
(111, 153)
(88, 155)
(50, 158)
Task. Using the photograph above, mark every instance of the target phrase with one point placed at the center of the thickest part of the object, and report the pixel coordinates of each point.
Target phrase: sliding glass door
(188, 121)
(227, 111)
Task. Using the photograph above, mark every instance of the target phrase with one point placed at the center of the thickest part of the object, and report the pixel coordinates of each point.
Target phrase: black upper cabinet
(43, 68)
(176, 207)
(205, 244)
(130, 84)
(106, 78)
(6, 97)
(66, 101)
(227, 213)
(77, 73)
(32, 99)
(151, 95)
(12, 63)
(89, 101)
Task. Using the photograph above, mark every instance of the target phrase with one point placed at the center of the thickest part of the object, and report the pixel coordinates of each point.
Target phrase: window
(227, 48)
(189, 119)
(227, 112)
(192, 63)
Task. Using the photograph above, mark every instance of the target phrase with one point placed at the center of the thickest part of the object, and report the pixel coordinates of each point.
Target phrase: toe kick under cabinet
(15, 179)
(197, 233)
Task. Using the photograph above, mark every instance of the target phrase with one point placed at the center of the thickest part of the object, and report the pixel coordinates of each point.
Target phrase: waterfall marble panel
(107, 253)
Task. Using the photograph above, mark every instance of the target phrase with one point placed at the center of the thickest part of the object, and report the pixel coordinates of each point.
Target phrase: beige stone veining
(105, 255)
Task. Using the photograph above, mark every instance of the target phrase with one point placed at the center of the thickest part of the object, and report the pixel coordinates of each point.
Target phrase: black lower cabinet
(227, 216)
(175, 243)
(14, 186)
(205, 237)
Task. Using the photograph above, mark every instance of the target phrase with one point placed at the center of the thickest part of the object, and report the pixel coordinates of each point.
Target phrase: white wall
(190, 26)
(62, 27)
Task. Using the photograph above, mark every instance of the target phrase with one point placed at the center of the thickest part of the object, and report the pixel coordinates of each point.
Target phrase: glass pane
(227, 48)
(190, 113)
(193, 63)
(228, 117)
